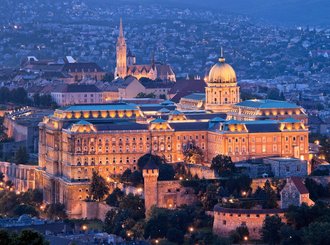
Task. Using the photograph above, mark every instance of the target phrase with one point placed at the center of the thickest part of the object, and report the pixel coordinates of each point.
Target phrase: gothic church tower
(121, 54)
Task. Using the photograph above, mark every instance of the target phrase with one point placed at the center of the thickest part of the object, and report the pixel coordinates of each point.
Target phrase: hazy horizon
(279, 12)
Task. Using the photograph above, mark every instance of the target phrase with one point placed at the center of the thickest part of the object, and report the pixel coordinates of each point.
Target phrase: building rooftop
(300, 185)
(195, 96)
(267, 104)
(100, 107)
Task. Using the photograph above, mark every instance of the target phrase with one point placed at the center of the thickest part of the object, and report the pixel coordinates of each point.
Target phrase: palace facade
(109, 138)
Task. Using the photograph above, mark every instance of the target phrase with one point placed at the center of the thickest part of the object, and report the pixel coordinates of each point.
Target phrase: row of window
(114, 160)
(264, 139)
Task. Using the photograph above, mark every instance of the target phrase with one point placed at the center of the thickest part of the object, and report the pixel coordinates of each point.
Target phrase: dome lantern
(222, 72)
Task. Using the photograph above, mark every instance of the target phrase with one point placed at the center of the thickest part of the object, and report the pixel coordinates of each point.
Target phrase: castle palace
(110, 138)
(126, 63)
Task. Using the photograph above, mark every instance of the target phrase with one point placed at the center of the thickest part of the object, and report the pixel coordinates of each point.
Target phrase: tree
(157, 225)
(115, 198)
(99, 187)
(290, 236)
(239, 234)
(315, 189)
(8, 202)
(9, 184)
(270, 231)
(223, 165)
(125, 219)
(136, 178)
(25, 237)
(144, 95)
(317, 233)
(166, 172)
(126, 175)
(149, 157)
(134, 205)
(304, 215)
(55, 211)
(25, 209)
(30, 237)
(193, 154)
(6, 238)
(2, 176)
(209, 198)
(267, 195)
(21, 156)
(175, 235)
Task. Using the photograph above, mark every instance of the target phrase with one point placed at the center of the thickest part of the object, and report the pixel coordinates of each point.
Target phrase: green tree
(175, 235)
(238, 235)
(267, 195)
(6, 237)
(270, 231)
(126, 176)
(125, 219)
(223, 165)
(30, 237)
(99, 187)
(136, 178)
(2, 176)
(149, 157)
(157, 225)
(55, 211)
(21, 156)
(115, 198)
(290, 236)
(134, 205)
(193, 154)
(25, 209)
(304, 215)
(8, 203)
(166, 172)
(317, 233)
(209, 198)
(9, 184)
(144, 95)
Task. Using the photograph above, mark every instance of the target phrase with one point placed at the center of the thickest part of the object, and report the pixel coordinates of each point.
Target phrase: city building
(222, 91)
(21, 126)
(267, 110)
(295, 193)
(228, 219)
(164, 194)
(283, 167)
(126, 63)
(110, 138)
(70, 94)
(67, 69)
(21, 175)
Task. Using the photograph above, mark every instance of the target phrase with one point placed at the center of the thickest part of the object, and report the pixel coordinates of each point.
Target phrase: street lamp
(84, 227)
(246, 238)
(191, 229)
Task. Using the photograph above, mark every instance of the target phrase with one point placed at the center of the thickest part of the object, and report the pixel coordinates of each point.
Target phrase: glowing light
(84, 227)
(246, 238)
(191, 229)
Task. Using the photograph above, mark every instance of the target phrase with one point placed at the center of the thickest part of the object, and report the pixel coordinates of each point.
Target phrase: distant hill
(283, 12)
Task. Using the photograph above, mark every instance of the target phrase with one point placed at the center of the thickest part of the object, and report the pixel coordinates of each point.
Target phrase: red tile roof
(300, 185)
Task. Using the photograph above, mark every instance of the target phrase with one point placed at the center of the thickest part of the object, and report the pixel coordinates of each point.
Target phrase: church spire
(153, 59)
(121, 31)
(222, 58)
